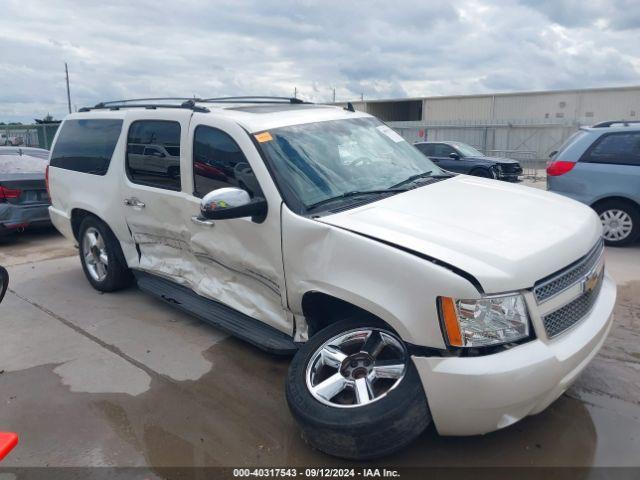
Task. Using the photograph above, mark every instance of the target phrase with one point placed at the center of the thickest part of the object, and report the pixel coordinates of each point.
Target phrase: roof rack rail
(189, 103)
(253, 99)
(614, 122)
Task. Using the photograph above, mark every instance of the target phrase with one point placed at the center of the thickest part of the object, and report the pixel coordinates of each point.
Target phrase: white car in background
(407, 295)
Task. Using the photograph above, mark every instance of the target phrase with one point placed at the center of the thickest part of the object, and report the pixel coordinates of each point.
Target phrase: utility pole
(66, 71)
(362, 97)
(295, 92)
(334, 94)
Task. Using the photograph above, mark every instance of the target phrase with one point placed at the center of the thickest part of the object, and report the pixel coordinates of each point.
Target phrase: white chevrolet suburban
(407, 294)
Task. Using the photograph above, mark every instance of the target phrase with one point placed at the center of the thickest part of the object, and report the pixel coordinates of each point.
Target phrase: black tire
(118, 275)
(4, 282)
(633, 213)
(379, 428)
(482, 172)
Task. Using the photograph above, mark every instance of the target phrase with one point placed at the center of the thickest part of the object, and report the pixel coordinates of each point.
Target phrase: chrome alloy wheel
(95, 254)
(616, 225)
(356, 368)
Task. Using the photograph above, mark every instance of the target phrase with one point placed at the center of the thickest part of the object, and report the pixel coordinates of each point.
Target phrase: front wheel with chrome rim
(101, 256)
(620, 222)
(355, 391)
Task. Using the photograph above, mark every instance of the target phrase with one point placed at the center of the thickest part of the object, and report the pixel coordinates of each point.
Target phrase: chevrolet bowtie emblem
(591, 281)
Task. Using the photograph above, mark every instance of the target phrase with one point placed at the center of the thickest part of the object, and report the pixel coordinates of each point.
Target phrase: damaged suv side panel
(397, 287)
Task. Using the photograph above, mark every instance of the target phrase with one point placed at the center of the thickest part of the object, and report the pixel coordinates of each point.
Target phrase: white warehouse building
(525, 125)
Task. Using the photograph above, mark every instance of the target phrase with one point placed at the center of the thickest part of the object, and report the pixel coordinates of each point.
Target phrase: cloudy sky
(136, 48)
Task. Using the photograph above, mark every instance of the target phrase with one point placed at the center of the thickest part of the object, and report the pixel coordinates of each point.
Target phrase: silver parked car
(24, 201)
(600, 166)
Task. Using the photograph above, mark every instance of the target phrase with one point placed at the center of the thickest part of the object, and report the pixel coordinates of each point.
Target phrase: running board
(225, 318)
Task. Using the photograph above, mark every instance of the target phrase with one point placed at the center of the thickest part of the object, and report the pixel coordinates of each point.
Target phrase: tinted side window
(426, 148)
(86, 145)
(153, 154)
(442, 150)
(616, 148)
(218, 162)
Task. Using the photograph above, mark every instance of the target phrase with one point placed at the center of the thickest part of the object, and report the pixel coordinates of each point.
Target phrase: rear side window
(218, 162)
(615, 148)
(569, 142)
(86, 145)
(153, 154)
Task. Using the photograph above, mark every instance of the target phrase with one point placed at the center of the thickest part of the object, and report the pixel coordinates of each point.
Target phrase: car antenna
(349, 107)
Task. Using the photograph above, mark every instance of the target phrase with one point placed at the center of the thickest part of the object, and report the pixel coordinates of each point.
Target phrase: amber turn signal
(450, 321)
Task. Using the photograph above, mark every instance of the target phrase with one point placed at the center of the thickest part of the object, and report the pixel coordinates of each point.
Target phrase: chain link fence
(37, 135)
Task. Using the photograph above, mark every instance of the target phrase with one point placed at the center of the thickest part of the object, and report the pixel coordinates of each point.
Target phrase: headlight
(491, 320)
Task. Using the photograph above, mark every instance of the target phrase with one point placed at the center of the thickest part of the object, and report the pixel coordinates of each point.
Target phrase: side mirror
(454, 155)
(231, 202)
(553, 154)
(4, 282)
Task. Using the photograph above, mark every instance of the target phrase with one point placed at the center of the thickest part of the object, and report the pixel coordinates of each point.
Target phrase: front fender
(392, 284)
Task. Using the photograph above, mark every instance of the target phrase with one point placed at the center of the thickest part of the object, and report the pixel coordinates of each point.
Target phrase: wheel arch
(321, 309)
(482, 168)
(617, 198)
(77, 216)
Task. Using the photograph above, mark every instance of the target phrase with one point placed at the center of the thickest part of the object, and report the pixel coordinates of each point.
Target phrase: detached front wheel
(355, 391)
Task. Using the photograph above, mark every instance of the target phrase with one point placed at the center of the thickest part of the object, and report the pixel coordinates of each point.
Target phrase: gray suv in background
(600, 166)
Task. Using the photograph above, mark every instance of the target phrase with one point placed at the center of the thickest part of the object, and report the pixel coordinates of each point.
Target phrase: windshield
(467, 150)
(319, 161)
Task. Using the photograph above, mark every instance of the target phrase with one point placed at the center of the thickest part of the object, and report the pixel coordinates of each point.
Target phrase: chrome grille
(558, 321)
(569, 276)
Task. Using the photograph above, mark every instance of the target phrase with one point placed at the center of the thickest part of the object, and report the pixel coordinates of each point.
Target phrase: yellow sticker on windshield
(263, 137)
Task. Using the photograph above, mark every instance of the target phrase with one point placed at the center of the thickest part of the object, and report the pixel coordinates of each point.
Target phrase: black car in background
(462, 158)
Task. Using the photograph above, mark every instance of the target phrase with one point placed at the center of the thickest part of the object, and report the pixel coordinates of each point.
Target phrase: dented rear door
(152, 197)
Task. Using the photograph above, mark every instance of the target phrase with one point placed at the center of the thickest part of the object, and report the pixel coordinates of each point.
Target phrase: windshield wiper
(355, 193)
(419, 176)
(412, 178)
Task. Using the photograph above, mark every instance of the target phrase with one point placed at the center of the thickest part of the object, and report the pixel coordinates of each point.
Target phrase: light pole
(66, 71)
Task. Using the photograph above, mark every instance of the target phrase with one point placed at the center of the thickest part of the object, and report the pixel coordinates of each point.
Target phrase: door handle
(202, 221)
(133, 202)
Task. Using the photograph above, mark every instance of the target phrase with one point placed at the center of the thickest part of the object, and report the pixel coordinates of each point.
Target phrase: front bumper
(476, 395)
(509, 178)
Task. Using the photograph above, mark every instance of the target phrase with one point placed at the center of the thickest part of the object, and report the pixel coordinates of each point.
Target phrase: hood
(507, 236)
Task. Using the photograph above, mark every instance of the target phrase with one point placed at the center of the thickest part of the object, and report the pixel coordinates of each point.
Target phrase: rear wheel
(620, 222)
(102, 259)
(355, 391)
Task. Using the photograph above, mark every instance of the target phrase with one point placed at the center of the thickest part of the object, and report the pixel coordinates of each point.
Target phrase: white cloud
(124, 49)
